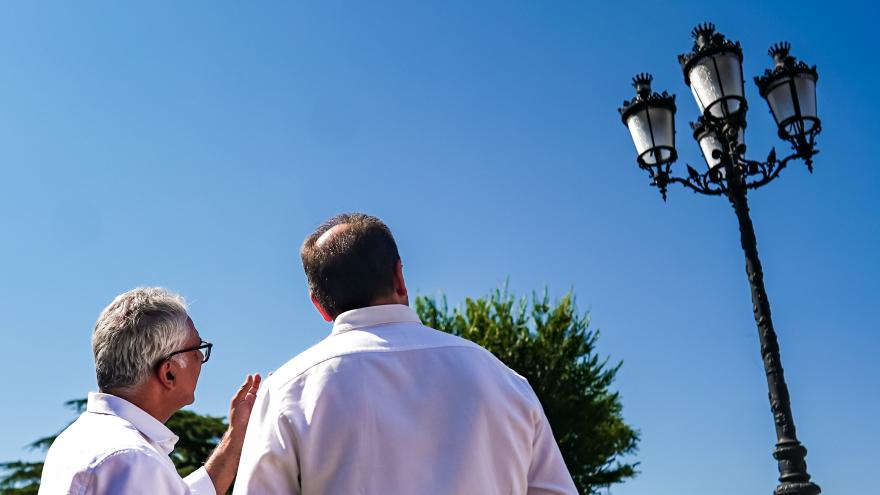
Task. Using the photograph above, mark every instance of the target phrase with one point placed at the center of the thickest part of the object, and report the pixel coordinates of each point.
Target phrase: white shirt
(386, 405)
(114, 448)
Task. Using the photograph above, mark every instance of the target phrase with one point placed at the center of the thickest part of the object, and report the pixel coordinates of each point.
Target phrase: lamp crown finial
(642, 83)
(780, 53)
(703, 33)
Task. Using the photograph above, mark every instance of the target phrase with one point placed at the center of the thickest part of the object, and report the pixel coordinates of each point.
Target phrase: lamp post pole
(714, 72)
(789, 453)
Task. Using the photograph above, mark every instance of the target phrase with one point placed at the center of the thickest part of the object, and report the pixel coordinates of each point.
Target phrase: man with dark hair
(348, 261)
(386, 405)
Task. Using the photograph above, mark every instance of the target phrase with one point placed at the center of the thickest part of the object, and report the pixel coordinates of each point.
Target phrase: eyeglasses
(204, 349)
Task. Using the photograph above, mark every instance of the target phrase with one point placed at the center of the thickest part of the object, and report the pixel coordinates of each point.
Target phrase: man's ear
(165, 373)
(399, 283)
(320, 308)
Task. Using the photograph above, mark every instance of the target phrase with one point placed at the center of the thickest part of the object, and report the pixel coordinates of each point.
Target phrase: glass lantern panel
(663, 155)
(713, 78)
(730, 72)
(663, 126)
(662, 122)
(806, 91)
(709, 143)
(704, 83)
(638, 128)
(780, 100)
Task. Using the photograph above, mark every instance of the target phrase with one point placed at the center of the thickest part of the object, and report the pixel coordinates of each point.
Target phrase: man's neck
(392, 298)
(147, 400)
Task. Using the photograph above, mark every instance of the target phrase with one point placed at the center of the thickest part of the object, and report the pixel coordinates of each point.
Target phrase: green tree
(551, 346)
(20, 478)
(199, 435)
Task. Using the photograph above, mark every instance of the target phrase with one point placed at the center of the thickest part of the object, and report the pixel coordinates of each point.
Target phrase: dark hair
(354, 266)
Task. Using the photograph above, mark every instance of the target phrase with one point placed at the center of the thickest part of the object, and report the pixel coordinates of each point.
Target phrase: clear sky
(193, 145)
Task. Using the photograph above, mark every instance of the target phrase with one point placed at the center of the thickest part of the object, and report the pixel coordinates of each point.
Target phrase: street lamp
(713, 71)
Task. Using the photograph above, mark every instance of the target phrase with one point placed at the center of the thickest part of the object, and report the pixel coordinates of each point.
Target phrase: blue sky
(193, 146)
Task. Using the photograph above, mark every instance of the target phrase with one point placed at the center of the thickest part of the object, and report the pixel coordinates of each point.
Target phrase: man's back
(387, 405)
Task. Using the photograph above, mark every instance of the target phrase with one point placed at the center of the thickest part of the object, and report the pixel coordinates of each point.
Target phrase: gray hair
(133, 333)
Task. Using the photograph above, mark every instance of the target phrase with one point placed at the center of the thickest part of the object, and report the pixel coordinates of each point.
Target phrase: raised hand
(242, 404)
(223, 463)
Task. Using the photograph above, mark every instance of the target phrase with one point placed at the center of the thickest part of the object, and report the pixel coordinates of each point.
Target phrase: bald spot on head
(349, 261)
(335, 230)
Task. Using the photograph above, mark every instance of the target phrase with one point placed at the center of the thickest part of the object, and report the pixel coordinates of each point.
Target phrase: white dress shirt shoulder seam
(123, 452)
(379, 351)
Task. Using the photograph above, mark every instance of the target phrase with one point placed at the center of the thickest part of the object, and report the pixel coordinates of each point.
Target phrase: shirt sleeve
(135, 472)
(547, 472)
(200, 483)
(269, 463)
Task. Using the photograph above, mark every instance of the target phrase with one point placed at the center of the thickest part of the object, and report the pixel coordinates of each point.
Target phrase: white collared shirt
(386, 405)
(115, 447)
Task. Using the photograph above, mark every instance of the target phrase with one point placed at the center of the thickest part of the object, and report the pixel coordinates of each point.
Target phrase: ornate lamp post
(713, 70)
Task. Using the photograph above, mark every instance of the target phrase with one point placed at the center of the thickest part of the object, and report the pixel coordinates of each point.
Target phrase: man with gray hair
(148, 356)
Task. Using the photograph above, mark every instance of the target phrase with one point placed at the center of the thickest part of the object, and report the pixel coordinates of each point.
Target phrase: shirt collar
(373, 316)
(149, 426)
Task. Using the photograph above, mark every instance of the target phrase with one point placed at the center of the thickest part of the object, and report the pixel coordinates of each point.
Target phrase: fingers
(243, 390)
(255, 383)
(251, 395)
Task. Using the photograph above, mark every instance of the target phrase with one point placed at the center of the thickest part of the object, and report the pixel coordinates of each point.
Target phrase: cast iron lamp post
(713, 70)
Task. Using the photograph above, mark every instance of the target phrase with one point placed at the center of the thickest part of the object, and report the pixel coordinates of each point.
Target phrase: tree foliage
(199, 435)
(20, 477)
(552, 347)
